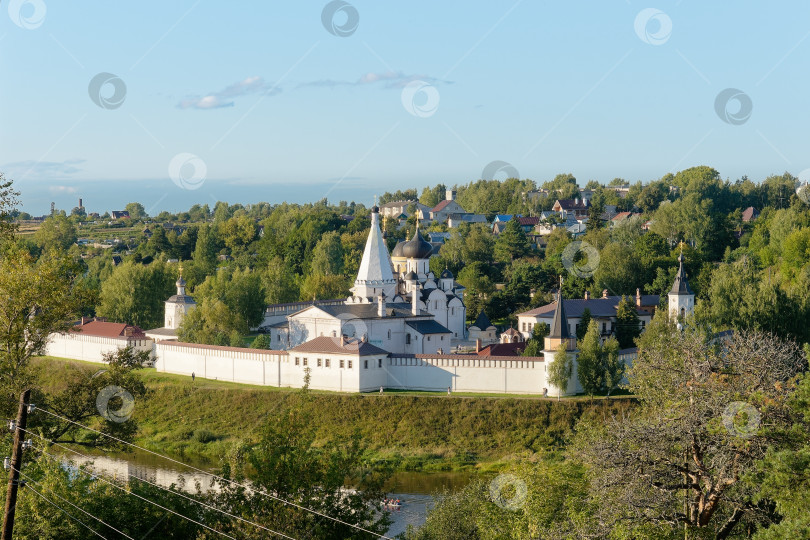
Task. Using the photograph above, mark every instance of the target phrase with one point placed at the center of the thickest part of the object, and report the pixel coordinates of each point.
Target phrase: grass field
(204, 419)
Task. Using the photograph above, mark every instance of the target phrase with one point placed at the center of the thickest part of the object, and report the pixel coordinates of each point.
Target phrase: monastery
(396, 331)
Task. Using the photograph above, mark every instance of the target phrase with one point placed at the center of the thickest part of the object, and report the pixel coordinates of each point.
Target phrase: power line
(76, 507)
(262, 492)
(142, 498)
(67, 513)
(164, 489)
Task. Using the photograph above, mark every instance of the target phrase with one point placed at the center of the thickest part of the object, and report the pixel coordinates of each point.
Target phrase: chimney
(587, 295)
(80, 203)
(380, 305)
(604, 293)
(478, 345)
(415, 300)
(342, 339)
(450, 195)
(638, 297)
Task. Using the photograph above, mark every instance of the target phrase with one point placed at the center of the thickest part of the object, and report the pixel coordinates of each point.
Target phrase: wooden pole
(16, 463)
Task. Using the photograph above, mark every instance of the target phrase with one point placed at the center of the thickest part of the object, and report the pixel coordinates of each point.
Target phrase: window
(297, 361)
(442, 338)
(306, 361)
(389, 334)
(407, 339)
(342, 362)
(350, 364)
(365, 364)
(379, 362)
(643, 324)
(524, 327)
(604, 327)
(428, 338)
(320, 362)
(327, 362)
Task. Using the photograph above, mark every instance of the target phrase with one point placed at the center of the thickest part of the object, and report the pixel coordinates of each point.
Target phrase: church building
(399, 307)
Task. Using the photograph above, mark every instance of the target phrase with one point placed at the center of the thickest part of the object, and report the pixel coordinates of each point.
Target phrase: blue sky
(275, 107)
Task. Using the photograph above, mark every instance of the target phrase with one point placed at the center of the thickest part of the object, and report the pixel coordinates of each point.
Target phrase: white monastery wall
(90, 348)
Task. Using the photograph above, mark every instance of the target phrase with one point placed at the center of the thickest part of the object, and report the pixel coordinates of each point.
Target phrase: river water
(413, 489)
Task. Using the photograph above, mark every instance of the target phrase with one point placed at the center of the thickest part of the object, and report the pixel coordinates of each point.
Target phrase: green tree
(205, 250)
(327, 256)
(37, 301)
(614, 367)
(56, 232)
(324, 287)
(628, 325)
(8, 203)
(560, 370)
(279, 283)
(707, 413)
(135, 294)
(240, 290)
(511, 243)
(287, 462)
(135, 210)
(584, 323)
(238, 232)
(211, 323)
(590, 363)
(536, 343)
(262, 341)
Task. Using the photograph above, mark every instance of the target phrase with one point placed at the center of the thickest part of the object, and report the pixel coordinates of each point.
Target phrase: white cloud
(224, 97)
(42, 169)
(393, 79)
(62, 190)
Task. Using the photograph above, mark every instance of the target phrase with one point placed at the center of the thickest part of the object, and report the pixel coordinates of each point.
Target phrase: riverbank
(204, 419)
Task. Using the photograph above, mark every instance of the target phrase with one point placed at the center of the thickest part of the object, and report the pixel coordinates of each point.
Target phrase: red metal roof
(439, 207)
(110, 329)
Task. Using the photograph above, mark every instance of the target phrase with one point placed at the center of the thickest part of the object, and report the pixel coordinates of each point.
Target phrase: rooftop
(599, 307)
(341, 345)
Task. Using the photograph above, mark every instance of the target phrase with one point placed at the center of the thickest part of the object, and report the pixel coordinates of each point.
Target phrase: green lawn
(203, 420)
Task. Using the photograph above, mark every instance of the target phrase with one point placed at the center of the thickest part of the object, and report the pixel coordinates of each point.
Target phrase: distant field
(409, 430)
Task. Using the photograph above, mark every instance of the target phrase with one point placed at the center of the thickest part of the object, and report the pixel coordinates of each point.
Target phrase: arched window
(389, 334)
(683, 312)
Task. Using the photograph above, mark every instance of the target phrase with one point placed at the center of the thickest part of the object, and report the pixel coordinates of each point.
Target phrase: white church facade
(401, 308)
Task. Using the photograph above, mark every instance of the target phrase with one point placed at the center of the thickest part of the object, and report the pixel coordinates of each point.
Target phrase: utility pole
(16, 463)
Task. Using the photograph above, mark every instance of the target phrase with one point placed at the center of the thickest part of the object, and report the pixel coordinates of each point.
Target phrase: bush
(204, 436)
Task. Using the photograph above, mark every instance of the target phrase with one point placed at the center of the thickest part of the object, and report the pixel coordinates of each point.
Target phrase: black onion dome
(397, 251)
(410, 276)
(375, 209)
(417, 247)
(447, 274)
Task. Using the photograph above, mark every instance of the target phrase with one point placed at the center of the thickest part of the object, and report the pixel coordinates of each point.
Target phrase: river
(414, 489)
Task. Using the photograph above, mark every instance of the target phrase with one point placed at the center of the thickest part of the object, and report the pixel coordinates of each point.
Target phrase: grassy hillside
(202, 420)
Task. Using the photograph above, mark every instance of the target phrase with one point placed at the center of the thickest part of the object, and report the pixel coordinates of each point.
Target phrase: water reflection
(413, 489)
